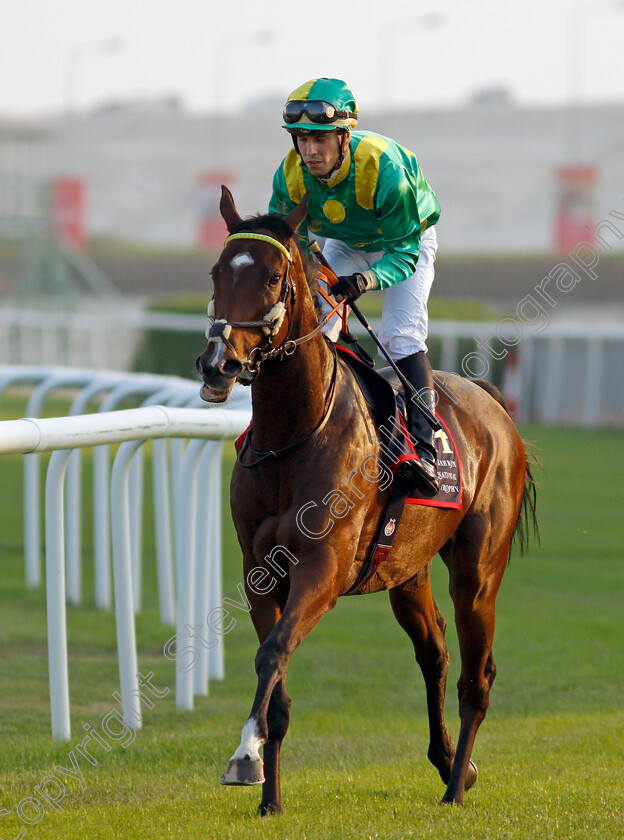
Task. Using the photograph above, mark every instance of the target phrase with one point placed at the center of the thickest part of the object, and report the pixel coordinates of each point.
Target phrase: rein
(220, 329)
(273, 453)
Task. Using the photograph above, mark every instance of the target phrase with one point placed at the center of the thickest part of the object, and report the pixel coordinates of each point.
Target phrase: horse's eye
(274, 279)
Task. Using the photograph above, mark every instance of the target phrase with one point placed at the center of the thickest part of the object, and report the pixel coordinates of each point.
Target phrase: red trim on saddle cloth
(240, 440)
(350, 352)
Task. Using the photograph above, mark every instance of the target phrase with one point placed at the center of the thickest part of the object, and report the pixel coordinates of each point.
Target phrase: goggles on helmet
(316, 110)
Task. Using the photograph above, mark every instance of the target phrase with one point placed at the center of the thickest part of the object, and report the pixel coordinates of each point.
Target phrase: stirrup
(418, 475)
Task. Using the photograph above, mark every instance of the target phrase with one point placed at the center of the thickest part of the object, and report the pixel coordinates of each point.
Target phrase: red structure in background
(69, 202)
(211, 230)
(576, 200)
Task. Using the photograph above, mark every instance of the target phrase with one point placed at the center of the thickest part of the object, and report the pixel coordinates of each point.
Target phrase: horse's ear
(228, 209)
(298, 213)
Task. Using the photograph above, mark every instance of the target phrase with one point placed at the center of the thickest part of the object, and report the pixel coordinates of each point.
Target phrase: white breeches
(404, 321)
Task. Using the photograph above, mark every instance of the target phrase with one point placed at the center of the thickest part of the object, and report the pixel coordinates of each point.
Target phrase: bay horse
(311, 432)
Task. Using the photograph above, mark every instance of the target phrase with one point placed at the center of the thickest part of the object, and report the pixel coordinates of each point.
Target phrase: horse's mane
(282, 231)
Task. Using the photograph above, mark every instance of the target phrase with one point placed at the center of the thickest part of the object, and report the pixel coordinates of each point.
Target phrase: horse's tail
(526, 524)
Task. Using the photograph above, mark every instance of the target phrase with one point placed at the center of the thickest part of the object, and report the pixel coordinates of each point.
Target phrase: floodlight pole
(73, 58)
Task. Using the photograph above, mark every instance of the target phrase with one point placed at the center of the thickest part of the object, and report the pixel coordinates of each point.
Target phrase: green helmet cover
(334, 91)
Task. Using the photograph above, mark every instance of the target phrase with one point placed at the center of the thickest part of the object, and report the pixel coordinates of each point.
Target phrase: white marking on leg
(250, 741)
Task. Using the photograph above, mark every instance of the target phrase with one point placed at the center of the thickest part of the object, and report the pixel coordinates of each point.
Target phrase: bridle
(219, 330)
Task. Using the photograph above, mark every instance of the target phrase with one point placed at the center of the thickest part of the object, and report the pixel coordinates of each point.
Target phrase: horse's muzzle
(218, 379)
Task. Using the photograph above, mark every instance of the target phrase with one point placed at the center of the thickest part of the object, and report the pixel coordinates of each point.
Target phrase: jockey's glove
(352, 286)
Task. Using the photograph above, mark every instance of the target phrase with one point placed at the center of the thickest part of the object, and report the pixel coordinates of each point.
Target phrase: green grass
(550, 753)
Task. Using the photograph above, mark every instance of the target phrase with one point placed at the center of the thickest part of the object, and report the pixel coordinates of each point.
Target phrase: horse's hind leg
(418, 615)
(475, 576)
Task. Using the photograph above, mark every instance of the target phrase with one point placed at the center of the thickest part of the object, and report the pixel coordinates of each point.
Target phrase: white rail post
(32, 520)
(122, 580)
(555, 366)
(202, 561)
(180, 394)
(73, 509)
(32, 511)
(186, 566)
(162, 515)
(11, 375)
(216, 670)
(138, 386)
(176, 456)
(208, 563)
(179, 517)
(55, 589)
(593, 383)
(136, 525)
(162, 522)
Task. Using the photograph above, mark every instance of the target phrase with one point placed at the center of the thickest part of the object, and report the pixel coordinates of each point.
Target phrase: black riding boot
(421, 475)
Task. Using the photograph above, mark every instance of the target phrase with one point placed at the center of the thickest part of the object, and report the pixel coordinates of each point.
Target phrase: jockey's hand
(350, 288)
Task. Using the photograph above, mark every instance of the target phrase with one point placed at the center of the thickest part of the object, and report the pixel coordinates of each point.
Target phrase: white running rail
(198, 579)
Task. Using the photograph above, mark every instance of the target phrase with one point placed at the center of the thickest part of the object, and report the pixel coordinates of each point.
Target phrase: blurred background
(119, 121)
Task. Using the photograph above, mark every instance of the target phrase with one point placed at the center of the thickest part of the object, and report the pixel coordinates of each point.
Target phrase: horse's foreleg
(278, 718)
(474, 591)
(418, 615)
(313, 592)
(246, 766)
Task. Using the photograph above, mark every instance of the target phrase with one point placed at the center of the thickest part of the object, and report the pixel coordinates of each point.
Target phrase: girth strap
(382, 545)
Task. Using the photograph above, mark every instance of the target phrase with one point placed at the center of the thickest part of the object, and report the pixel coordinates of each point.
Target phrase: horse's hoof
(243, 771)
(471, 775)
(269, 810)
(449, 798)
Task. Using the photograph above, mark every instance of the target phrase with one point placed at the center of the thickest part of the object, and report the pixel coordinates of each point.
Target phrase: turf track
(550, 753)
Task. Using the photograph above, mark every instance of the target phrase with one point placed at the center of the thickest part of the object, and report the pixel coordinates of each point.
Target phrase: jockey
(370, 200)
